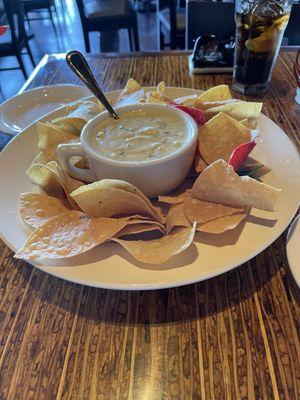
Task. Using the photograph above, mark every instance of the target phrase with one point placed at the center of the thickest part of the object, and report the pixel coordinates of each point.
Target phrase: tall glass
(260, 26)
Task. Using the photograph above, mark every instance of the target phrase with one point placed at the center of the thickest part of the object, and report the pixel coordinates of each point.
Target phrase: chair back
(208, 17)
(292, 32)
(171, 6)
(80, 6)
(15, 18)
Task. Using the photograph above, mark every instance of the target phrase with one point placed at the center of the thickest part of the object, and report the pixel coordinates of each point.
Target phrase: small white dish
(171, 169)
(21, 110)
(292, 249)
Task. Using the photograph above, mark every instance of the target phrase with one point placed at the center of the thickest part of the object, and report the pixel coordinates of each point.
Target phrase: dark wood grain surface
(232, 337)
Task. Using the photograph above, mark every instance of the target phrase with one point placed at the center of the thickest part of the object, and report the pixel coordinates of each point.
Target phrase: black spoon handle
(78, 64)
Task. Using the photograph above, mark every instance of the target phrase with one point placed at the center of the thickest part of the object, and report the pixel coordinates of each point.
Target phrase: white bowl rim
(190, 122)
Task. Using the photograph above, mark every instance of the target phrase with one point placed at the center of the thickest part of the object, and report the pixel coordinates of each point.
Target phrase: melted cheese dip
(140, 136)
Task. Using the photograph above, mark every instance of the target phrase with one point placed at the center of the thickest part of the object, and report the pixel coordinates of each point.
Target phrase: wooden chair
(170, 22)
(40, 5)
(15, 39)
(106, 15)
(207, 17)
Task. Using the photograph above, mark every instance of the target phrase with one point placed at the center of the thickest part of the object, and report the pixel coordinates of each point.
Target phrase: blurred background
(29, 29)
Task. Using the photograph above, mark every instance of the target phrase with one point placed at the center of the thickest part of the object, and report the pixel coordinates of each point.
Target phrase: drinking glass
(260, 26)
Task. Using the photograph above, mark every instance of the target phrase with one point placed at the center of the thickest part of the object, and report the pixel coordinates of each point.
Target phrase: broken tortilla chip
(68, 235)
(159, 250)
(220, 136)
(216, 93)
(219, 183)
(103, 199)
(37, 208)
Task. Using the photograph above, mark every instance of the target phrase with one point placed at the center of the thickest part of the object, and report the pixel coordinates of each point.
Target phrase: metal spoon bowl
(78, 64)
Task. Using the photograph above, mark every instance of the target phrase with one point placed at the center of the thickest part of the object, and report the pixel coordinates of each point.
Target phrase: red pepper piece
(3, 29)
(239, 154)
(195, 113)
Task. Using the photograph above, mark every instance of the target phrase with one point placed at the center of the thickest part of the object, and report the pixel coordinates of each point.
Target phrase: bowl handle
(68, 150)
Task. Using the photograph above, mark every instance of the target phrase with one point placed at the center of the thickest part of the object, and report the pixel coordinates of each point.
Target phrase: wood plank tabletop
(235, 336)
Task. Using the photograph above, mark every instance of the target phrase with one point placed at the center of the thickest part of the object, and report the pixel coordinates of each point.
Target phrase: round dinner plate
(292, 249)
(21, 110)
(109, 266)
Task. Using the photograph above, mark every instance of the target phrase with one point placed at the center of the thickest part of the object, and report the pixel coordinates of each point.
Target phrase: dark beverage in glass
(260, 27)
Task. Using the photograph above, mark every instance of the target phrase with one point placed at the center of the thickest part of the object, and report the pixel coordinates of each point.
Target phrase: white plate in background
(110, 266)
(21, 110)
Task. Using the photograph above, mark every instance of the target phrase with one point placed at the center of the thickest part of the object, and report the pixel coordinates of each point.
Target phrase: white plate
(21, 110)
(292, 249)
(109, 266)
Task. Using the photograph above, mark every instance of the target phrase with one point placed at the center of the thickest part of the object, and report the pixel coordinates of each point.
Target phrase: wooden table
(231, 337)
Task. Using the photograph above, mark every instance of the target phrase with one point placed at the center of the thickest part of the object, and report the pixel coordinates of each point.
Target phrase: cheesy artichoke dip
(140, 136)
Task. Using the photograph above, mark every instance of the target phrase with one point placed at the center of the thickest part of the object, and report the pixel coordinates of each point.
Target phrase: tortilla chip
(176, 217)
(128, 187)
(158, 95)
(220, 136)
(69, 184)
(160, 250)
(73, 125)
(52, 179)
(78, 114)
(161, 88)
(222, 224)
(175, 199)
(98, 199)
(85, 109)
(131, 86)
(238, 110)
(50, 135)
(220, 92)
(246, 123)
(68, 235)
(45, 178)
(37, 208)
(131, 98)
(153, 99)
(199, 164)
(141, 227)
(206, 105)
(186, 100)
(45, 156)
(202, 211)
(219, 183)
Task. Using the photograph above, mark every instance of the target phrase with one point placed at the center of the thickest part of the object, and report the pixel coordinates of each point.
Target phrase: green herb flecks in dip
(140, 136)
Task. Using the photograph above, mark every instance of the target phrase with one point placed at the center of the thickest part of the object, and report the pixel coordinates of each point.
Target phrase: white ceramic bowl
(152, 177)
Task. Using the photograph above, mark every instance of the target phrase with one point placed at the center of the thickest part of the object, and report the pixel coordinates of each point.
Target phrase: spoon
(78, 64)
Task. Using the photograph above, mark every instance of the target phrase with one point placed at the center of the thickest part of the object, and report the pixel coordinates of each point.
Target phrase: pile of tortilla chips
(71, 217)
